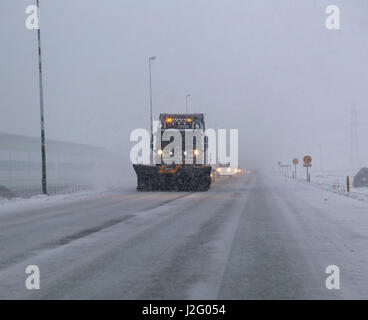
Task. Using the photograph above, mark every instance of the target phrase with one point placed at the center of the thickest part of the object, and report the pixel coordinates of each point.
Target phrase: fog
(269, 68)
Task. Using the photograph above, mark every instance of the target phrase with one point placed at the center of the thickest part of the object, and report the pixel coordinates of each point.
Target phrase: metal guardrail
(29, 191)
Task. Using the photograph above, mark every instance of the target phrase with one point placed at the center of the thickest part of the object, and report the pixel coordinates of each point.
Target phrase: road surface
(250, 237)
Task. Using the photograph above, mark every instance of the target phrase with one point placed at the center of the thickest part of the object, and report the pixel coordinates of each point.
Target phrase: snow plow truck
(179, 159)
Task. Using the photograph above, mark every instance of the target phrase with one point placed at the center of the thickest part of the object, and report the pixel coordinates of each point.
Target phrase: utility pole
(150, 59)
(43, 147)
(354, 144)
(320, 158)
(186, 103)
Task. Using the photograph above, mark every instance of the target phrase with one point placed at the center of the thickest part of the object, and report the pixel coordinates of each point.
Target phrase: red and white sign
(307, 161)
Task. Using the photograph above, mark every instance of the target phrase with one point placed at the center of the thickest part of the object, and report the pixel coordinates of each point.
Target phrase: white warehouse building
(67, 163)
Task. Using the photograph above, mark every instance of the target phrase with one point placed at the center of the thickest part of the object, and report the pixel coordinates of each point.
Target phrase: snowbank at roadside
(336, 182)
(14, 204)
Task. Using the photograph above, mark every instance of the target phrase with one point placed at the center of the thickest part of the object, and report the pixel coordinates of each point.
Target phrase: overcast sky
(267, 67)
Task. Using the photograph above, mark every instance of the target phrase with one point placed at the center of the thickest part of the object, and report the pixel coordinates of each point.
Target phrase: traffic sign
(307, 160)
(307, 163)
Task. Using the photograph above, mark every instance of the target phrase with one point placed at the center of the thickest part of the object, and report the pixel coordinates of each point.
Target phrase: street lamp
(186, 102)
(43, 148)
(150, 59)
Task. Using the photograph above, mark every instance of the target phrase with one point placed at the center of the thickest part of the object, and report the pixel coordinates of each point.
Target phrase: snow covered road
(249, 237)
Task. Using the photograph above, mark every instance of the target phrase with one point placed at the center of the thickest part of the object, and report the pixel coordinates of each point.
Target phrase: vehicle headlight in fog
(159, 152)
(196, 152)
(228, 170)
(218, 169)
(185, 153)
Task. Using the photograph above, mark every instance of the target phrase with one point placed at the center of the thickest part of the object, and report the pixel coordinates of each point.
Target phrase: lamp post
(43, 148)
(186, 102)
(150, 59)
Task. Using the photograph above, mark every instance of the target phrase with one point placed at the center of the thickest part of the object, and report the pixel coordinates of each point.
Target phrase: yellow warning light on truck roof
(168, 120)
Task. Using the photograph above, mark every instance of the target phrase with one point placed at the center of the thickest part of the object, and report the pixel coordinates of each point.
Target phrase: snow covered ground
(15, 204)
(42, 200)
(249, 237)
(335, 181)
